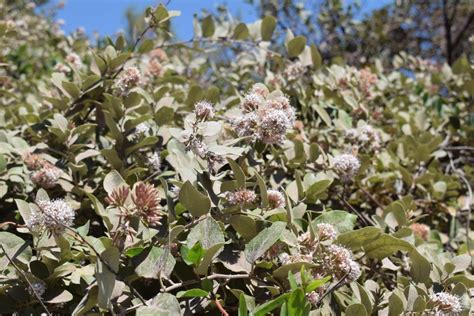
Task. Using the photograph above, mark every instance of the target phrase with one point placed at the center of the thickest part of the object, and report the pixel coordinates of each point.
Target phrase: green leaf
(297, 303)
(243, 310)
(208, 232)
(105, 277)
(63, 297)
(192, 256)
(3, 163)
(395, 305)
(163, 304)
(266, 308)
(119, 60)
(241, 32)
(208, 26)
(420, 267)
(317, 284)
(209, 255)
(315, 190)
(146, 46)
(238, 172)
(267, 27)
(263, 241)
(192, 293)
(296, 46)
(316, 56)
(158, 262)
(113, 180)
(71, 89)
(196, 202)
(342, 220)
(15, 247)
(356, 310)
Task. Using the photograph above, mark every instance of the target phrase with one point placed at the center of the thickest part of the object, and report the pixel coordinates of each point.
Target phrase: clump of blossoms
(154, 161)
(74, 59)
(445, 303)
(294, 70)
(365, 135)
(366, 80)
(129, 78)
(421, 230)
(339, 262)
(44, 174)
(140, 130)
(204, 110)
(143, 202)
(37, 289)
(267, 116)
(155, 67)
(53, 215)
(276, 199)
(346, 165)
(241, 197)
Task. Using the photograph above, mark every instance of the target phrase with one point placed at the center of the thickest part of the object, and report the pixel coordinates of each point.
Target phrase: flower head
(421, 230)
(326, 231)
(204, 110)
(155, 161)
(118, 196)
(147, 202)
(347, 165)
(252, 102)
(445, 302)
(276, 199)
(339, 262)
(273, 126)
(241, 197)
(54, 215)
(37, 289)
(74, 60)
(47, 176)
(130, 78)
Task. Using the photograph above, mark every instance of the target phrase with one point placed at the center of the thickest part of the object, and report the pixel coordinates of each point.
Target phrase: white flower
(140, 130)
(130, 78)
(446, 302)
(313, 297)
(339, 262)
(326, 231)
(273, 126)
(242, 196)
(252, 102)
(347, 165)
(74, 60)
(154, 161)
(37, 288)
(47, 176)
(198, 148)
(54, 215)
(204, 110)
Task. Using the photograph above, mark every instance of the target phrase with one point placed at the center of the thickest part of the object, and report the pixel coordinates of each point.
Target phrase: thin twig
(210, 277)
(26, 279)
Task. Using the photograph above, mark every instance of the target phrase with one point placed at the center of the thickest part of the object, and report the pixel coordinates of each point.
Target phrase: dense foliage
(229, 174)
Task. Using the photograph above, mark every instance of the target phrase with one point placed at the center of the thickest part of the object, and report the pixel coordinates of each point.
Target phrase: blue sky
(107, 16)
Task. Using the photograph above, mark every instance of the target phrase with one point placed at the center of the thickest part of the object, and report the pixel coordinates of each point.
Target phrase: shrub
(164, 177)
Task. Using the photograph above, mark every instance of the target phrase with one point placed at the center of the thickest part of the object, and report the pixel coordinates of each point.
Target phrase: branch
(210, 277)
(468, 22)
(26, 279)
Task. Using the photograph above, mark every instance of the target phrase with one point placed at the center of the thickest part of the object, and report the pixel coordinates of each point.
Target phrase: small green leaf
(356, 310)
(192, 293)
(296, 46)
(238, 172)
(241, 32)
(196, 202)
(208, 27)
(263, 241)
(267, 27)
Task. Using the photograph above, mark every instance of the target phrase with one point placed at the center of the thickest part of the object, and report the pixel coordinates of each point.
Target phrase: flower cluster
(267, 117)
(366, 80)
(326, 231)
(421, 230)
(446, 303)
(37, 289)
(339, 262)
(294, 71)
(365, 135)
(154, 161)
(74, 60)
(129, 78)
(347, 165)
(240, 197)
(204, 110)
(140, 130)
(276, 199)
(144, 202)
(53, 215)
(44, 174)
